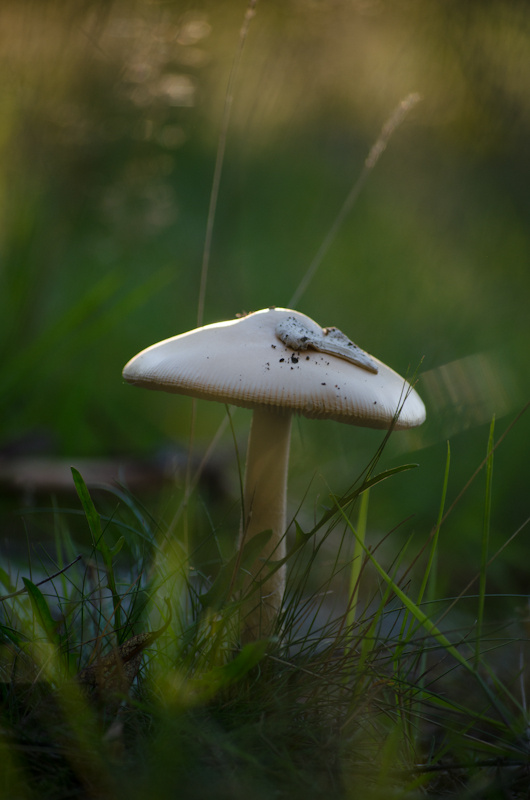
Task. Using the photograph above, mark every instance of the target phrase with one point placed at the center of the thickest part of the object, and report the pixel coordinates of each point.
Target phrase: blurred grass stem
(358, 558)
(485, 544)
(429, 578)
(40, 583)
(229, 98)
(375, 153)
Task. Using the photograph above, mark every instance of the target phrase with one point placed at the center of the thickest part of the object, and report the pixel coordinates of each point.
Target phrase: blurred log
(38, 475)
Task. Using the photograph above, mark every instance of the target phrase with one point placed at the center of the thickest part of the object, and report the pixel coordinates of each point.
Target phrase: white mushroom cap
(243, 362)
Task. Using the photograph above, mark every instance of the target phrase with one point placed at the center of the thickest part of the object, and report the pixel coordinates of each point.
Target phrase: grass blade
(94, 523)
(42, 612)
(485, 543)
(357, 558)
(431, 571)
(431, 564)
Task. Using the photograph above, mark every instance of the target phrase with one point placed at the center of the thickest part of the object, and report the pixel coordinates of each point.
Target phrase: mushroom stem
(265, 497)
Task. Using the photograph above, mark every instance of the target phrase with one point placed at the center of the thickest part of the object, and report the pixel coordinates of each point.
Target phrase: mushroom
(276, 362)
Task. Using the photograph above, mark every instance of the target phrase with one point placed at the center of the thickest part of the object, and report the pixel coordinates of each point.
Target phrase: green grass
(126, 682)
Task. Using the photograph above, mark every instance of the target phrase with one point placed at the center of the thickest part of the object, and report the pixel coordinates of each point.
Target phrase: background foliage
(110, 121)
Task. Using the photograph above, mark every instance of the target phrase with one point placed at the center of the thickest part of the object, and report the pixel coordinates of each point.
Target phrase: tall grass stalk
(485, 543)
(377, 149)
(214, 195)
(358, 556)
(428, 580)
(431, 573)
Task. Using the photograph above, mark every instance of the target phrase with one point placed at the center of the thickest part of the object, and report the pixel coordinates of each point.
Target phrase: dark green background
(104, 190)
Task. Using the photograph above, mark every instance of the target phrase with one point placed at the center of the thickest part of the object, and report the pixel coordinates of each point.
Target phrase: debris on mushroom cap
(233, 362)
(295, 334)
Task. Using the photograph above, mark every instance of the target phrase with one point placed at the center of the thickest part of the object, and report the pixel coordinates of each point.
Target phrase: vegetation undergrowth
(129, 681)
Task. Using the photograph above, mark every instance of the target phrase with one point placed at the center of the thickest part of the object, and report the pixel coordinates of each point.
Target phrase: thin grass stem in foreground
(485, 543)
